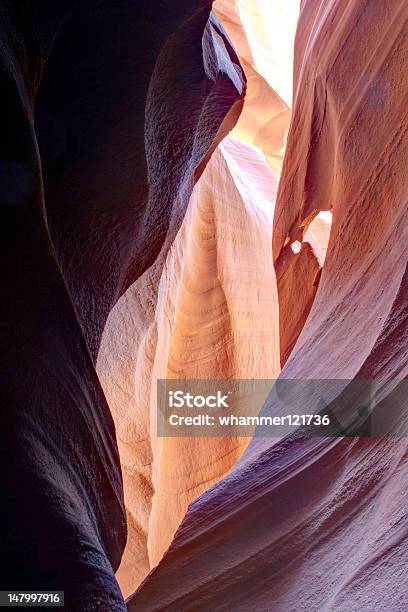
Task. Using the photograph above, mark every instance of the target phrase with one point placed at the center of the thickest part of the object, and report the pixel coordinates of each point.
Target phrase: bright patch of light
(318, 234)
(270, 26)
(296, 246)
(326, 216)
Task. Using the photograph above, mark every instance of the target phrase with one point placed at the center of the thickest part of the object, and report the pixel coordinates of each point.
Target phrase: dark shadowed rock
(109, 112)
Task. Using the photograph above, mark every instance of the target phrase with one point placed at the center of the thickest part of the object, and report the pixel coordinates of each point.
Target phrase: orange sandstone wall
(320, 524)
(207, 308)
(211, 312)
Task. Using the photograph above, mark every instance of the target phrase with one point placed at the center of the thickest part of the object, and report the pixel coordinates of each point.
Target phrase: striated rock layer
(265, 117)
(320, 524)
(206, 309)
(209, 312)
(111, 110)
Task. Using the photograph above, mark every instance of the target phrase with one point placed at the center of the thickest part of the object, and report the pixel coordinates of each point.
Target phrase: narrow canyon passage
(208, 308)
(204, 190)
(320, 524)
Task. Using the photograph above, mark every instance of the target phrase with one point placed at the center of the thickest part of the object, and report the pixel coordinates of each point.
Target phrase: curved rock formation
(270, 29)
(320, 523)
(174, 324)
(101, 146)
(298, 271)
(133, 238)
(265, 118)
(209, 312)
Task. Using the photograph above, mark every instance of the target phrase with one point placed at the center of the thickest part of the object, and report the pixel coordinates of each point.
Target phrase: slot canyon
(196, 190)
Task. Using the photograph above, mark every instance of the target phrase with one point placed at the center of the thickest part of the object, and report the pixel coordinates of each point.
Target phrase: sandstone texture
(320, 524)
(110, 113)
(209, 312)
(177, 205)
(207, 308)
(266, 58)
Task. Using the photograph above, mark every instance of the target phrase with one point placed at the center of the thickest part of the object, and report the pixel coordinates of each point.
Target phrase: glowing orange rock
(265, 118)
(211, 313)
(320, 523)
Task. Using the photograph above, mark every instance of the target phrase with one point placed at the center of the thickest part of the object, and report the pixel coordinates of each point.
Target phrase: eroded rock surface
(265, 118)
(110, 113)
(209, 312)
(206, 309)
(320, 524)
